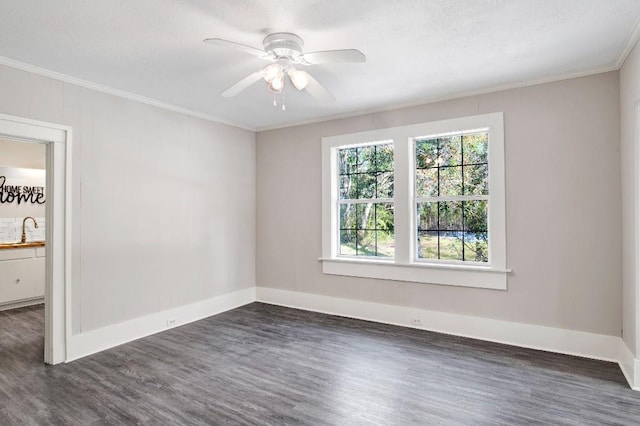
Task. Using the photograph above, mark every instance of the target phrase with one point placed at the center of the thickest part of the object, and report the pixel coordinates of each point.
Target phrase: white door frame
(636, 308)
(58, 230)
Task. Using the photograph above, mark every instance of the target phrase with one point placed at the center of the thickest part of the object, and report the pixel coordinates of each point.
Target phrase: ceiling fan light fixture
(277, 84)
(272, 72)
(300, 79)
(285, 50)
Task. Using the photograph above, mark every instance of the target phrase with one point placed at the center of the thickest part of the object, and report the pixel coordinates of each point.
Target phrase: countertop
(18, 245)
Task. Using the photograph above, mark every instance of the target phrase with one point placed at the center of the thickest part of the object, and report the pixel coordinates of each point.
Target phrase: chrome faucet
(24, 224)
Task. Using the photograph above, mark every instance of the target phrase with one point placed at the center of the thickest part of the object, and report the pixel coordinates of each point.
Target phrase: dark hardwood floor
(263, 364)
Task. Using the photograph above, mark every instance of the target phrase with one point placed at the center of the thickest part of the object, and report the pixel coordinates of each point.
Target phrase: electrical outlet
(171, 322)
(416, 321)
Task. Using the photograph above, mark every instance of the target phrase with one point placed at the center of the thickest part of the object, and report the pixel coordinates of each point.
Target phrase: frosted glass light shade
(300, 79)
(271, 72)
(277, 84)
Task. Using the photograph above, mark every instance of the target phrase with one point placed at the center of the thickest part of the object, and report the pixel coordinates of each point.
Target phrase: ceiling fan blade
(233, 45)
(242, 84)
(326, 56)
(318, 91)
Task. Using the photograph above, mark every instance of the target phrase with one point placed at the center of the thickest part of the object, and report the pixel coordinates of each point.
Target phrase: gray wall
(563, 197)
(163, 203)
(629, 95)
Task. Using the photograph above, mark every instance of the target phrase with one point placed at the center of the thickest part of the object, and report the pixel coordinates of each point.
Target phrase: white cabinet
(21, 275)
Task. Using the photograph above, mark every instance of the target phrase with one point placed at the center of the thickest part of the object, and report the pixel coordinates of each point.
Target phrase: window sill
(445, 274)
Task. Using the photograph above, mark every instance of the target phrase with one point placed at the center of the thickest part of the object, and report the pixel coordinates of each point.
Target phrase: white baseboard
(22, 303)
(630, 366)
(93, 341)
(570, 342)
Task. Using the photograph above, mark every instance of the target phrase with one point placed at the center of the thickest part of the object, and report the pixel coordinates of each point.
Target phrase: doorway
(57, 294)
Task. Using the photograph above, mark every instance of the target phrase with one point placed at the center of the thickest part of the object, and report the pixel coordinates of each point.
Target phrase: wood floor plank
(262, 364)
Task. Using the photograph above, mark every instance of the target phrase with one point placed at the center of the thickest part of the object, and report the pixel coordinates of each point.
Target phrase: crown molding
(628, 44)
(115, 92)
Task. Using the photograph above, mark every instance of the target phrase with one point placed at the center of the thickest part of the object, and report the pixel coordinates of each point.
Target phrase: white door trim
(58, 229)
(636, 308)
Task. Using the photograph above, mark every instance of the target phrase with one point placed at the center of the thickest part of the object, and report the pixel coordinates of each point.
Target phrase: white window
(452, 196)
(365, 201)
(422, 203)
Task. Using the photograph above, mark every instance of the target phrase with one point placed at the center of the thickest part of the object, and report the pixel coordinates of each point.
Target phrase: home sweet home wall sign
(21, 186)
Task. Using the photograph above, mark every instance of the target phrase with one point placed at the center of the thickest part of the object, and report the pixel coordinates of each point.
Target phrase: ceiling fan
(285, 51)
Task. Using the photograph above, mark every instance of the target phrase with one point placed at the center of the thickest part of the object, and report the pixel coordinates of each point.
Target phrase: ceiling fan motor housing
(286, 45)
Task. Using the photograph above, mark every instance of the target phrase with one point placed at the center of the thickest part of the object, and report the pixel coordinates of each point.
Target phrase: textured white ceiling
(416, 49)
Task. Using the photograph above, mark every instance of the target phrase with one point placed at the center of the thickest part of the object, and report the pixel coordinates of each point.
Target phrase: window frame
(405, 266)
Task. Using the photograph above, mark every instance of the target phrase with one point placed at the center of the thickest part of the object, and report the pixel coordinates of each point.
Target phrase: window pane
(384, 158)
(451, 245)
(366, 172)
(385, 238)
(450, 216)
(375, 216)
(444, 234)
(450, 151)
(428, 245)
(426, 153)
(366, 184)
(348, 243)
(386, 243)
(366, 216)
(475, 148)
(384, 217)
(348, 187)
(347, 216)
(367, 229)
(475, 216)
(476, 247)
(427, 182)
(375, 243)
(450, 181)
(347, 159)
(366, 243)
(476, 180)
(366, 159)
(385, 185)
(427, 216)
